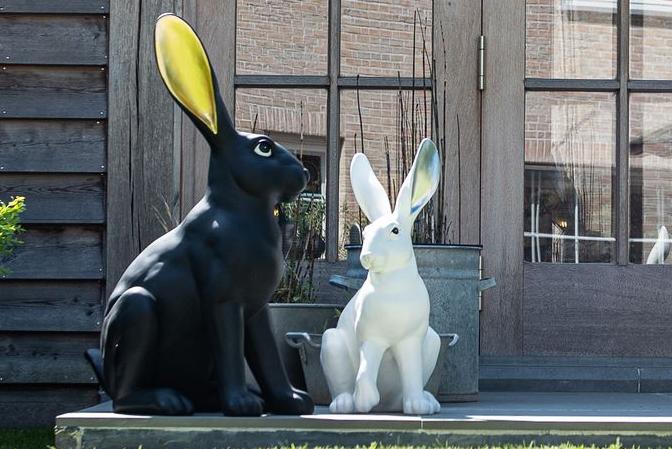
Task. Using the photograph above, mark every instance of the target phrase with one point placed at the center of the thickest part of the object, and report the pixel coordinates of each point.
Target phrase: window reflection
(286, 37)
(571, 38)
(377, 37)
(650, 177)
(650, 39)
(569, 163)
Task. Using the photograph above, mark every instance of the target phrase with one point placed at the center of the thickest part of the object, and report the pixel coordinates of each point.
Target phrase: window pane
(571, 38)
(651, 39)
(569, 165)
(282, 37)
(295, 118)
(384, 146)
(377, 37)
(650, 177)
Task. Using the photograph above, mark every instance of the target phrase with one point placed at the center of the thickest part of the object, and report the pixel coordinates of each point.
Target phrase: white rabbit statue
(382, 352)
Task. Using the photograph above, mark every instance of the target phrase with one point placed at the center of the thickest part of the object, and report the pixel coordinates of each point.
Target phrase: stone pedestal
(498, 419)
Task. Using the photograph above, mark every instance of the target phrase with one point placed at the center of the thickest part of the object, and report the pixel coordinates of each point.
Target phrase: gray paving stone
(499, 418)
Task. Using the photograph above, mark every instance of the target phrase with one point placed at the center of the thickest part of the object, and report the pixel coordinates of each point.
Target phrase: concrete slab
(499, 418)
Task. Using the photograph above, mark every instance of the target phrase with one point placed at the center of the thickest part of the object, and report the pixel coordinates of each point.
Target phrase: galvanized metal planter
(310, 318)
(452, 274)
(309, 346)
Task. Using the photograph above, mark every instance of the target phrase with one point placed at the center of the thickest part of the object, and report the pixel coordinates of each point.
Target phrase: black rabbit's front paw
(293, 402)
(242, 403)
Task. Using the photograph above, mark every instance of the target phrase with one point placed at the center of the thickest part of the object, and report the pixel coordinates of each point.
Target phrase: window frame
(334, 83)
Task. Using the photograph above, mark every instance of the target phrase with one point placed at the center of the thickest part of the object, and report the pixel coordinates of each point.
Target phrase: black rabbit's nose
(306, 173)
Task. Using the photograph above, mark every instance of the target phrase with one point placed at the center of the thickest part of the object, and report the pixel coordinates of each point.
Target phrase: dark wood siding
(53, 111)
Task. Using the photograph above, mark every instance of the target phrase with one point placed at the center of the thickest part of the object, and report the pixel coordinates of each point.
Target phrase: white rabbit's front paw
(366, 395)
(343, 403)
(421, 404)
(436, 407)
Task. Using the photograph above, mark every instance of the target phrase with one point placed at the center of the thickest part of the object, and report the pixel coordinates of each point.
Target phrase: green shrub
(10, 229)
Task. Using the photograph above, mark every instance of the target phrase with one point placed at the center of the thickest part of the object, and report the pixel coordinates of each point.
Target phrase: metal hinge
(481, 62)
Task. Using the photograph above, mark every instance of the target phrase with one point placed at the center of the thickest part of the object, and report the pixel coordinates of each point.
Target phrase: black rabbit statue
(193, 306)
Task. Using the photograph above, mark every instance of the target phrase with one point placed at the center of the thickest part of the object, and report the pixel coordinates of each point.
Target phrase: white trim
(573, 237)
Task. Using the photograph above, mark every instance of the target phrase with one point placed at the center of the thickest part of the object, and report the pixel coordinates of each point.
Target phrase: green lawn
(36, 438)
(42, 438)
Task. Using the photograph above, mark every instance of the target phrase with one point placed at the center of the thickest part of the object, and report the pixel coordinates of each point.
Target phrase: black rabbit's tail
(95, 358)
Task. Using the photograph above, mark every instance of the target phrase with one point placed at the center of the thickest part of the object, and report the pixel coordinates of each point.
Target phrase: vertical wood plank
(122, 231)
(457, 26)
(502, 175)
(333, 129)
(140, 135)
(215, 23)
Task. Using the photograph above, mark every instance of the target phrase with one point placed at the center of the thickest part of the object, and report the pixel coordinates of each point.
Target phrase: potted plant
(9, 229)
(294, 307)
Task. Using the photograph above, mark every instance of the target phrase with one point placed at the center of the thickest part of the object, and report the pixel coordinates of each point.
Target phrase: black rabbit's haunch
(192, 307)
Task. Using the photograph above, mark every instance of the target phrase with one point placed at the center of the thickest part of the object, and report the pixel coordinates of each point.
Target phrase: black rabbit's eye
(264, 149)
(395, 230)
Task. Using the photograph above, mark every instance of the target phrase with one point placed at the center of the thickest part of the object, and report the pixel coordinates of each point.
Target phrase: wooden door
(576, 187)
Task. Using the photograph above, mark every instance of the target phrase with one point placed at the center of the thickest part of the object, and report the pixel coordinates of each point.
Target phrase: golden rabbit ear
(185, 68)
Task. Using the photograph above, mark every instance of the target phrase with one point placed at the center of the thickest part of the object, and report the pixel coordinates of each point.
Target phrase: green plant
(303, 236)
(10, 229)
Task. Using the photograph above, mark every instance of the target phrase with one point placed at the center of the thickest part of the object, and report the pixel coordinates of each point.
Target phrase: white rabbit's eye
(264, 149)
(395, 230)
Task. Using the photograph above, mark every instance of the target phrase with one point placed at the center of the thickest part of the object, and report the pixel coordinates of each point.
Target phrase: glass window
(569, 164)
(571, 39)
(296, 119)
(651, 39)
(650, 177)
(389, 132)
(282, 37)
(377, 37)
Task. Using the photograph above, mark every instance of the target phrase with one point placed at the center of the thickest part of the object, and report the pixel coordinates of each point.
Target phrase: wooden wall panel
(502, 175)
(53, 110)
(57, 198)
(46, 358)
(215, 23)
(52, 39)
(457, 27)
(56, 7)
(24, 405)
(52, 146)
(53, 92)
(59, 252)
(39, 306)
(141, 136)
(597, 310)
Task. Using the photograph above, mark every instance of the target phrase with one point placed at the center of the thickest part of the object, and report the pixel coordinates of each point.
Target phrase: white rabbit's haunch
(382, 352)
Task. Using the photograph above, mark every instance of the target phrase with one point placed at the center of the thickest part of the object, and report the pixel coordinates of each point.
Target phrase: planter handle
(345, 282)
(298, 339)
(486, 283)
(454, 338)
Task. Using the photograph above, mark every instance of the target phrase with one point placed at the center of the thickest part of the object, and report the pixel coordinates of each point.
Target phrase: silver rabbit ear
(421, 182)
(369, 193)
(426, 175)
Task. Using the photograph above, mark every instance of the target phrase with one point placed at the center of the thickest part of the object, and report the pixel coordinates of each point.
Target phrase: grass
(43, 438)
(30, 438)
